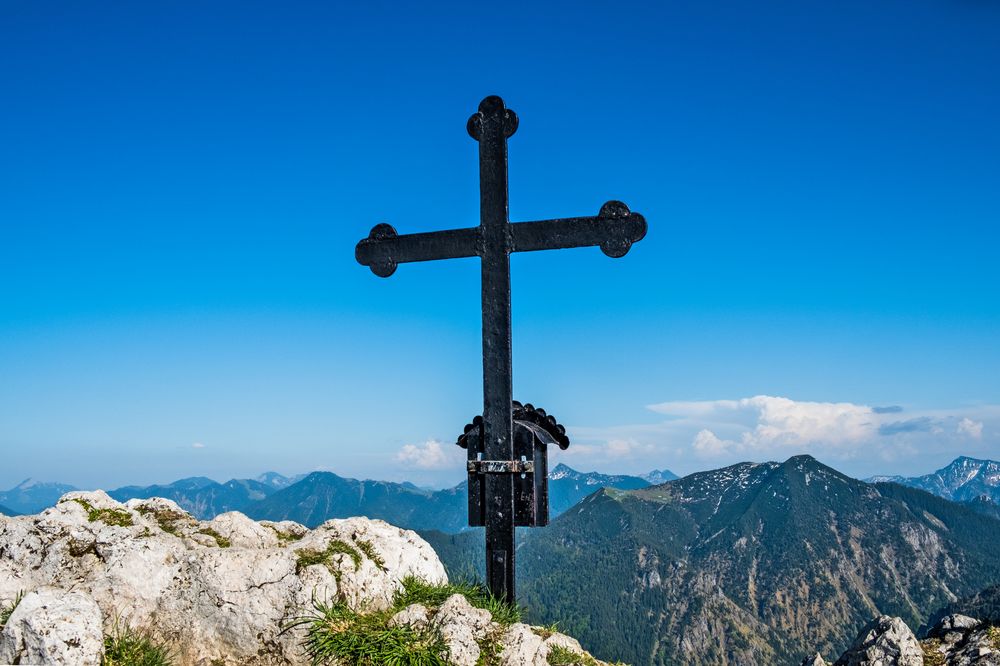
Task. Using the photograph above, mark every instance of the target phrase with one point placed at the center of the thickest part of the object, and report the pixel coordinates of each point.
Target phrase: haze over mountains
(314, 498)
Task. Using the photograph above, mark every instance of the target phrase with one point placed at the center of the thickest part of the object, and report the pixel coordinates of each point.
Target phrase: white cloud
(613, 449)
(430, 455)
(777, 422)
(707, 444)
(858, 438)
(624, 448)
(197, 445)
(973, 429)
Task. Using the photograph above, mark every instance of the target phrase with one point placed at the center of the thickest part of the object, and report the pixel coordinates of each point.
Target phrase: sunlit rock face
(224, 591)
(219, 589)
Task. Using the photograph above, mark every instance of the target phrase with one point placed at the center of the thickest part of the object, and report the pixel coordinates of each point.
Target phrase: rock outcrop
(959, 640)
(956, 640)
(52, 626)
(885, 640)
(223, 591)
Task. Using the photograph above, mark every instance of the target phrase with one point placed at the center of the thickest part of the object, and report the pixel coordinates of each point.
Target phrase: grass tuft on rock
(126, 646)
(307, 556)
(932, 656)
(117, 517)
(561, 656)
(7, 609)
(338, 635)
(284, 538)
(368, 549)
(994, 635)
(167, 519)
(417, 591)
(219, 539)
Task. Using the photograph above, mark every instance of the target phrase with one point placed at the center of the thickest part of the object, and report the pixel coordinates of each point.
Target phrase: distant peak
(562, 467)
(965, 460)
(318, 475)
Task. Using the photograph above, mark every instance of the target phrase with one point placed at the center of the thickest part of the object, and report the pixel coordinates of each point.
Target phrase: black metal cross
(614, 230)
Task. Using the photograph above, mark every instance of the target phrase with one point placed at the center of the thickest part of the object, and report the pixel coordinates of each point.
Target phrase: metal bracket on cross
(534, 431)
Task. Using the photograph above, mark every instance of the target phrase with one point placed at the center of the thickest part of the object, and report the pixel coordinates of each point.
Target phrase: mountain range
(314, 498)
(748, 564)
(964, 479)
(323, 495)
(31, 496)
(202, 496)
(969, 481)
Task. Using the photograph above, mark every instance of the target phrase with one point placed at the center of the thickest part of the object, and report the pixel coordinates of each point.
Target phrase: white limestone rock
(52, 626)
(216, 590)
(415, 615)
(242, 532)
(219, 591)
(521, 646)
(885, 641)
(462, 626)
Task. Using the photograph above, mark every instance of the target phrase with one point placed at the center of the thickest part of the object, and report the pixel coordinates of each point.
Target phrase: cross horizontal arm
(614, 229)
(384, 249)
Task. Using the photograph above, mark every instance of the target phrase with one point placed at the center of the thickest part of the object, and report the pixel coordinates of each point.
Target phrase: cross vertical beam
(491, 126)
(614, 229)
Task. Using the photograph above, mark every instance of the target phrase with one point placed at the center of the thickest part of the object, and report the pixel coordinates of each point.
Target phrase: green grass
(368, 549)
(546, 631)
(560, 656)
(417, 591)
(117, 517)
(166, 518)
(219, 539)
(284, 538)
(6, 609)
(338, 635)
(994, 635)
(307, 556)
(129, 647)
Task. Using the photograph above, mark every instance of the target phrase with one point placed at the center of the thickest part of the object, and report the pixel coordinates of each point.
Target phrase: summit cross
(614, 229)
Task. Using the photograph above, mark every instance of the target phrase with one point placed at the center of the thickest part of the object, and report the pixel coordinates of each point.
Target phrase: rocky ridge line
(956, 640)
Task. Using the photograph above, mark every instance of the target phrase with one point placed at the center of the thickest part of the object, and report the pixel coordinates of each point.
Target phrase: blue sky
(183, 185)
